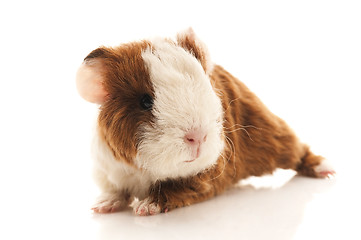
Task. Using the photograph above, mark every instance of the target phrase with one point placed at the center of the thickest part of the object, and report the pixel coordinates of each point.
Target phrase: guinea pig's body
(174, 130)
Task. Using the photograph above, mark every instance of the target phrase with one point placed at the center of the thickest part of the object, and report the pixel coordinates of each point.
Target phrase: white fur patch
(114, 176)
(184, 100)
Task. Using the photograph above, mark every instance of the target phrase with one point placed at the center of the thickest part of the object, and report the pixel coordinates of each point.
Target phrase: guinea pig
(175, 129)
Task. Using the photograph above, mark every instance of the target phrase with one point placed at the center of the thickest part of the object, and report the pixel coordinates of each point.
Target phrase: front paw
(109, 203)
(145, 207)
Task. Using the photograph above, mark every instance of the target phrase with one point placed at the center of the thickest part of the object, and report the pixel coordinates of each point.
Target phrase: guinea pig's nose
(195, 137)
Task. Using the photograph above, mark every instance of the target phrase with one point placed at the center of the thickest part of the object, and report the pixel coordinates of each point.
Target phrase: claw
(327, 174)
(145, 207)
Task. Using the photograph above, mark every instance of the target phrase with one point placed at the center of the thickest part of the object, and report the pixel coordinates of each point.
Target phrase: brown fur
(120, 116)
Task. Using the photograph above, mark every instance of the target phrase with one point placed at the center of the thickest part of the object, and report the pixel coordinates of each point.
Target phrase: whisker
(243, 130)
(225, 160)
(224, 167)
(233, 152)
(240, 125)
(231, 146)
(230, 102)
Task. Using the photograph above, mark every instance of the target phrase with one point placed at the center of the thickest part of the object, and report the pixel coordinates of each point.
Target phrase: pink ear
(89, 82)
(189, 41)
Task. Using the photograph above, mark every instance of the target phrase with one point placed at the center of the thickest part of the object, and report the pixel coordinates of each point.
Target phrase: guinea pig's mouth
(189, 161)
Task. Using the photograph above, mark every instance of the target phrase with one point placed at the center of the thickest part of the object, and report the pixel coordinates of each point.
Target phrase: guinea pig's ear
(189, 41)
(90, 77)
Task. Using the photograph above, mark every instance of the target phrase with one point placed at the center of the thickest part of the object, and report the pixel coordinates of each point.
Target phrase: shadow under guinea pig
(251, 210)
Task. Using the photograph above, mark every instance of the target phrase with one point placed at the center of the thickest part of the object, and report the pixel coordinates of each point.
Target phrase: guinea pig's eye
(146, 102)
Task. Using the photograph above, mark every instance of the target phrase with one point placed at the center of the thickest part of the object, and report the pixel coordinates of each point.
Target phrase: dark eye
(146, 102)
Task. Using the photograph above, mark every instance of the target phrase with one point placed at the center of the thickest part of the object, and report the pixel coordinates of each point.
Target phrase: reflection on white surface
(241, 213)
(290, 208)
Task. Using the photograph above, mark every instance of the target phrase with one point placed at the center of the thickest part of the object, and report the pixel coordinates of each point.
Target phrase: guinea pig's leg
(314, 166)
(167, 195)
(111, 199)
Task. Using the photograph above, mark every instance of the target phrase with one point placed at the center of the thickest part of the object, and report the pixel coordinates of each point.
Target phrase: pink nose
(194, 139)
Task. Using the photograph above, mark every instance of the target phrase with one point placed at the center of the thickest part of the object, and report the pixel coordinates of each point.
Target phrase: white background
(302, 58)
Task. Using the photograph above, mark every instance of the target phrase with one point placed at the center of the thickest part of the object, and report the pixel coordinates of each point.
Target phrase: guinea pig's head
(159, 112)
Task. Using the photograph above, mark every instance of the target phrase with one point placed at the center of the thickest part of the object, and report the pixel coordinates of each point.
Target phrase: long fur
(141, 154)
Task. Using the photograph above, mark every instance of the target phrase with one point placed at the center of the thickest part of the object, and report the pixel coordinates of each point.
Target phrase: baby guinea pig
(174, 129)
